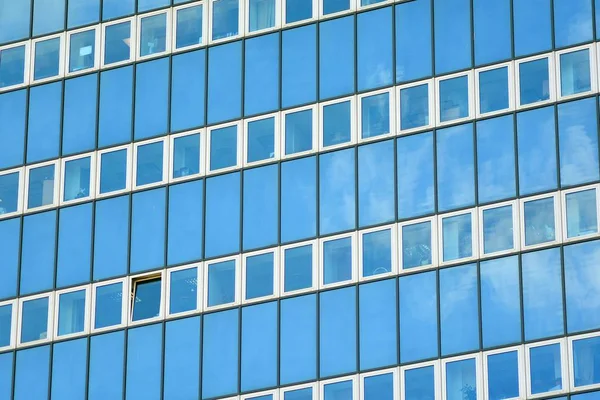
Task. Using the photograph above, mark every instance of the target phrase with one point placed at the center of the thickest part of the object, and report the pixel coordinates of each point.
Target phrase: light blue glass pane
(337, 260)
(34, 320)
(151, 98)
(298, 131)
(261, 139)
(188, 85)
(337, 191)
(260, 207)
(6, 376)
(452, 35)
(374, 49)
(259, 346)
(32, 373)
(414, 107)
(455, 159)
(109, 300)
(534, 81)
(146, 299)
(377, 320)
(542, 294)
(298, 268)
(144, 360)
(46, 58)
(379, 387)
(376, 183)
(259, 275)
(187, 155)
(106, 366)
(375, 113)
(413, 40)
(416, 245)
(539, 221)
(221, 283)
(117, 39)
(10, 238)
(545, 368)
(337, 123)
(71, 312)
(184, 242)
(220, 353)
(182, 359)
(116, 103)
(261, 77)
(337, 332)
(149, 163)
(145, 5)
(503, 375)
(77, 179)
(69, 362)
(578, 142)
(454, 98)
(581, 292)
(492, 30)
(298, 340)
(461, 380)
(532, 26)
(338, 391)
(38, 252)
(336, 56)
(377, 253)
(43, 129)
(415, 173)
(500, 301)
(583, 396)
(419, 383)
(82, 50)
(225, 19)
(457, 237)
(575, 76)
(12, 135)
(261, 14)
(113, 171)
(299, 57)
(223, 147)
(222, 215)
(9, 193)
(582, 213)
(586, 359)
(189, 26)
(79, 115)
(493, 90)
(459, 314)
(572, 22)
(82, 12)
(112, 9)
(333, 6)
(297, 10)
(298, 199)
(153, 37)
(498, 229)
(14, 20)
(74, 245)
(147, 230)
(48, 16)
(111, 237)
(41, 186)
(6, 312)
(299, 394)
(183, 290)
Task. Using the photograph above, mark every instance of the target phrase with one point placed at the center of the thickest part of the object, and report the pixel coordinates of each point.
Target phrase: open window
(72, 312)
(118, 42)
(535, 81)
(338, 256)
(147, 297)
(113, 174)
(576, 71)
(222, 281)
(187, 155)
(540, 221)
(382, 384)
(299, 131)
(454, 98)
(154, 34)
(42, 185)
(261, 140)
(499, 229)
(584, 361)
(546, 368)
(503, 372)
(190, 26)
(458, 233)
(47, 58)
(14, 68)
(260, 275)
(150, 163)
(416, 106)
(83, 50)
(299, 267)
(418, 244)
(109, 305)
(462, 377)
(423, 379)
(376, 114)
(580, 212)
(35, 319)
(494, 89)
(337, 123)
(8, 324)
(78, 173)
(184, 290)
(377, 252)
(11, 192)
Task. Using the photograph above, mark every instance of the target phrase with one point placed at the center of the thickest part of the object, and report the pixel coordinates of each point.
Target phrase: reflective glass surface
(298, 268)
(46, 58)
(377, 253)
(183, 290)
(221, 283)
(259, 275)
(34, 320)
(545, 368)
(582, 213)
(149, 166)
(461, 380)
(77, 179)
(454, 98)
(12, 66)
(498, 229)
(534, 81)
(82, 51)
(539, 221)
(71, 312)
(41, 186)
(9, 193)
(414, 107)
(416, 245)
(503, 375)
(117, 43)
(457, 237)
(189, 26)
(153, 37)
(146, 299)
(493, 90)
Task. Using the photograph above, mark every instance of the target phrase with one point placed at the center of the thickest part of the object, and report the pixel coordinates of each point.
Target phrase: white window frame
(353, 378)
(393, 252)
(551, 81)
(61, 58)
(354, 254)
(204, 26)
(210, 19)
(593, 74)
(274, 395)
(49, 327)
(128, 172)
(563, 365)
(202, 168)
(132, 41)
(563, 200)
(87, 314)
(478, 372)
(434, 244)
(275, 252)
(26, 64)
(314, 17)
(557, 220)
(431, 101)
(511, 89)
(520, 365)
(315, 131)
(239, 147)
(276, 139)
(474, 237)
(63, 170)
(323, 16)
(56, 192)
(437, 377)
(395, 379)
(392, 107)
(14, 312)
(20, 191)
(471, 98)
(133, 281)
(125, 296)
(199, 290)
(165, 162)
(353, 127)
(238, 284)
(571, 360)
(277, 20)
(312, 385)
(168, 34)
(515, 223)
(96, 29)
(315, 267)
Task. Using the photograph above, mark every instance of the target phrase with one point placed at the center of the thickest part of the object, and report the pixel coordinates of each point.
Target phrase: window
(183, 288)
(35, 319)
(150, 162)
(338, 260)
(181, 358)
(83, 48)
(107, 355)
(262, 15)
(13, 113)
(185, 222)
(584, 361)
(455, 100)
(222, 282)
(300, 392)
(118, 42)
(79, 114)
(44, 121)
(154, 34)
(300, 131)
(376, 115)
(337, 181)
(151, 98)
(72, 312)
(374, 55)
(420, 381)
(546, 368)
(224, 147)
(188, 88)
(459, 236)
(260, 275)
(32, 373)
(260, 205)
(575, 74)
(48, 57)
(492, 31)
(380, 385)
(461, 378)
(147, 301)
(540, 221)
(452, 26)
(222, 226)
(77, 182)
(299, 62)
(261, 74)
(299, 267)
(14, 65)
(299, 10)
(502, 372)
(337, 123)
(262, 139)
(580, 212)
(417, 106)
(38, 252)
(413, 42)
(376, 183)
(535, 80)
(148, 230)
(336, 6)
(111, 237)
(377, 252)
(116, 106)
(8, 324)
(418, 244)
(259, 347)
(298, 199)
(226, 19)
(336, 55)
(225, 81)
(42, 185)
(572, 22)
(494, 89)
(298, 341)
(532, 26)
(187, 151)
(109, 304)
(340, 388)
(11, 192)
(16, 18)
(189, 26)
(69, 368)
(499, 228)
(114, 170)
(144, 362)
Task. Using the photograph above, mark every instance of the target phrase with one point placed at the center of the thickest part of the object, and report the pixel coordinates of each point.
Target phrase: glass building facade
(299, 199)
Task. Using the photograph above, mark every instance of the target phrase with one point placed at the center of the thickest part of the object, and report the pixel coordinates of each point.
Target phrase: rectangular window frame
(564, 367)
(315, 131)
(276, 26)
(471, 98)
(557, 220)
(61, 58)
(87, 315)
(354, 278)
(392, 107)
(63, 171)
(350, 10)
(199, 290)
(437, 377)
(129, 169)
(171, 158)
(314, 17)
(315, 268)
(241, 19)
(14, 313)
(563, 214)
(276, 138)
(168, 34)
(256, 395)
(239, 147)
(551, 80)
(474, 237)
(430, 101)
(312, 385)
(133, 281)
(516, 229)
(50, 322)
(124, 304)
(511, 89)
(55, 195)
(434, 245)
(521, 369)
(396, 380)
(571, 361)
(276, 257)
(132, 42)
(204, 5)
(355, 385)
(96, 67)
(393, 249)
(20, 192)
(478, 372)
(238, 284)
(165, 163)
(353, 123)
(593, 72)
(26, 64)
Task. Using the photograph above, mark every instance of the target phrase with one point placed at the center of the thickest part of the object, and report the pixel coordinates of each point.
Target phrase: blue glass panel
(71, 312)
(415, 173)
(375, 115)
(224, 81)
(297, 10)
(111, 237)
(185, 222)
(532, 26)
(259, 275)
(149, 164)
(413, 40)
(77, 176)
(586, 359)
(12, 136)
(183, 290)
(151, 98)
(153, 35)
(15, 22)
(259, 346)
(37, 252)
(48, 16)
(454, 98)
(534, 81)
(144, 361)
(74, 245)
(32, 373)
(299, 131)
(145, 5)
(545, 368)
(337, 260)
(117, 42)
(503, 375)
(10, 238)
(261, 78)
(187, 90)
(336, 57)
(416, 245)
(106, 366)
(6, 375)
(34, 320)
(113, 171)
(299, 394)
(46, 58)
(337, 191)
(82, 12)
(261, 139)
(457, 237)
(461, 380)
(419, 383)
(189, 26)
(298, 268)
(337, 123)
(376, 183)
(6, 313)
(69, 362)
(112, 9)
(498, 229)
(414, 107)
(452, 35)
(82, 51)
(147, 230)
(374, 49)
(187, 155)
(222, 234)
(221, 283)
(582, 213)
(298, 59)
(116, 103)
(377, 252)
(337, 332)
(41, 186)
(146, 299)
(260, 207)
(223, 147)
(379, 387)
(109, 304)
(572, 22)
(575, 75)
(539, 221)
(182, 359)
(9, 193)
(225, 14)
(583, 396)
(333, 6)
(298, 199)
(493, 90)
(338, 390)
(43, 129)
(492, 30)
